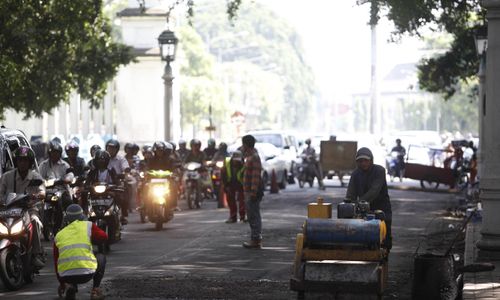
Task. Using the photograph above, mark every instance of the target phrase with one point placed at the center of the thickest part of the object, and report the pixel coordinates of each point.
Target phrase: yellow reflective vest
(239, 174)
(75, 249)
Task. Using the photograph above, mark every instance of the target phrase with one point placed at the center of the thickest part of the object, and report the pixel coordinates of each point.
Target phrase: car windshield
(274, 139)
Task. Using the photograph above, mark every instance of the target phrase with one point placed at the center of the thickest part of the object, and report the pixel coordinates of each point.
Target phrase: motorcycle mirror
(286, 147)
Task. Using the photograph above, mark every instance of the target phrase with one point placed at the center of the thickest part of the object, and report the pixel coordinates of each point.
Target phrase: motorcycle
(159, 194)
(215, 175)
(395, 165)
(305, 171)
(16, 240)
(104, 212)
(52, 210)
(192, 184)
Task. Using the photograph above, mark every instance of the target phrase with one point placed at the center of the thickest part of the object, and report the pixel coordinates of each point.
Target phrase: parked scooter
(104, 212)
(158, 199)
(16, 240)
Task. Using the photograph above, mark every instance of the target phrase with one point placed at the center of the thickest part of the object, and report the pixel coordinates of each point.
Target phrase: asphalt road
(198, 256)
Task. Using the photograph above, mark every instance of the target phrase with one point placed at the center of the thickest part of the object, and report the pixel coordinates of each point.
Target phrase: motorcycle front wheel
(48, 225)
(11, 268)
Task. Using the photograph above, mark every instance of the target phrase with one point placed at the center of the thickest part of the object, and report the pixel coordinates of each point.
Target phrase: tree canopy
(49, 48)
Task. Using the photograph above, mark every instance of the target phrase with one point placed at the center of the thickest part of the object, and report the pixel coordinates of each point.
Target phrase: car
(272, 160)
(10, 140)
(285, 142)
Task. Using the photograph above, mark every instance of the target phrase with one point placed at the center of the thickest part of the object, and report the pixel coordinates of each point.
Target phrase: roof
(143, 12)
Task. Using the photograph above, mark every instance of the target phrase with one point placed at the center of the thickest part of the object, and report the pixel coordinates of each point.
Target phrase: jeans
(254, 218)
(97, 276)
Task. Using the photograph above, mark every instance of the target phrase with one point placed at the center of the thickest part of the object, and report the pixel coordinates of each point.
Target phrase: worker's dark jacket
(370, 186)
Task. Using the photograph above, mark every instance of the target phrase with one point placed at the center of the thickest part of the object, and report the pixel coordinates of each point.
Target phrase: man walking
(253, 191)
(368, 183)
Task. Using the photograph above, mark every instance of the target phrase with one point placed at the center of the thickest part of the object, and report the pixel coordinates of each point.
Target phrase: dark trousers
(97, 276)
(235, 200)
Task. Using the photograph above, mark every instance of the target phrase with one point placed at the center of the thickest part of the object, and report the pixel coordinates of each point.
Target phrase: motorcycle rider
(210, 149)
(232, 177)
(102, 172)
(75, 263)
(121, 166)
(183, 151)
(196, 155)
(17, 181)
(401, 159)
(75, 162)
(221, 153)
(131, 154)
(310, 153)
(93, 150)
(368, 183)
(163, 159)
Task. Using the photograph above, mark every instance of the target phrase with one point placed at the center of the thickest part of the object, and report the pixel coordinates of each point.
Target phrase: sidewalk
(485, 285)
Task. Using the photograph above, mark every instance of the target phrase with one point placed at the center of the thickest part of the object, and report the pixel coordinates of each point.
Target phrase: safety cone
(274, 183)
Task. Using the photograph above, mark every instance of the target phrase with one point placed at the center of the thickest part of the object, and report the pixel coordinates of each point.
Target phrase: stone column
(168, 81)
(490, 169)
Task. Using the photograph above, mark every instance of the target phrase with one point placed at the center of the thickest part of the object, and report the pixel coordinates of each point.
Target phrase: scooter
(52, 210)
(395, 165)
(158, 201)
(192, 184)
(16, 240)
(305, 171)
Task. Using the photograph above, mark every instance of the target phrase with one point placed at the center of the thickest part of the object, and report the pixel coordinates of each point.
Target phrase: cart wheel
(428, 184)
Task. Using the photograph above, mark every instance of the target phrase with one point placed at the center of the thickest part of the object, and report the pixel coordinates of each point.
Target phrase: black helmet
(101, 159)
(147, 148)
(24, 151)
(113, 143)
(308, 141)
(182, 142)
(72, 145)
(174, 145)
(54, 146)
(135, 148)
(194, 142)
(94, 148)
(223, 146)
(128, 146)
(159, 145)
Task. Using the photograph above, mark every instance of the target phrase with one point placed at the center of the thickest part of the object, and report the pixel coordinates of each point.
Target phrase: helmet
(223, 146)
(128, 146)
(237, 155)
(308, 141)
(147, 148)
(211, 142)
(174, 145)
(72, 145)
(54, 146)
(94, 148)
(101, 158)
(113, 143)
(24, 151)
(159, 145)
(195, 142)
(182, 142)
(135, 148)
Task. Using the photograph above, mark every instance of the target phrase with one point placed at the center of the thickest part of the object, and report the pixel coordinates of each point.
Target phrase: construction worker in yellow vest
(75, 262)
(232, 178)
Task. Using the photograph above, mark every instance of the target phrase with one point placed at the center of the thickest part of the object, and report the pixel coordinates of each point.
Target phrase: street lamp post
(481, 40)
(168, 48)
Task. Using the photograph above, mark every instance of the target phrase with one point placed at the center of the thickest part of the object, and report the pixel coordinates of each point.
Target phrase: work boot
(253, 244)
(96, 294)
(71, 292)
(231, 220)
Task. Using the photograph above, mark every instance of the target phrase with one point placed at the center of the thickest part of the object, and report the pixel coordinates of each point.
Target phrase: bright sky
(337, 43)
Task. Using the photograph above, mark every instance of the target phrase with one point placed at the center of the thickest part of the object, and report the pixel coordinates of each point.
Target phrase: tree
(49, 48)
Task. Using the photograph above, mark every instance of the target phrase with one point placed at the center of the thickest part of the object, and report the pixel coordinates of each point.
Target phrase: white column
(51, 123)
(97, 119)
(108, 109)
(85, 112)
(490, 170)
(63, 124)
(74, 114)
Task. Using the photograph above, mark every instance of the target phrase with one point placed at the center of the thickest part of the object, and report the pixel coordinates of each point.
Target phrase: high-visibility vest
(75, 249)
(239, 174)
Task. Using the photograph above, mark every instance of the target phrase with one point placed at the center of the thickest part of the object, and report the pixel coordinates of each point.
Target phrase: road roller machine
(341, 256)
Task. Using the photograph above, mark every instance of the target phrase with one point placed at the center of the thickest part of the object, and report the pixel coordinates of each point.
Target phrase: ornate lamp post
(168, 48)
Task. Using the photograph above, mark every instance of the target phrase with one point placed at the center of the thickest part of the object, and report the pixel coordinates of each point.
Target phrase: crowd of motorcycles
(156, 193)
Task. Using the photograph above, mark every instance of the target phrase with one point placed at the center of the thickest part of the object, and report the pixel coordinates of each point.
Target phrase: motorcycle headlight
(191, 167)
(160, 190)
(160, 200)
(107, 213)
(99, 189)
(219, 164)
(141, 174)
(3, 229)
(54, 198)
(17, 227)
(92, 214)
(49, 182)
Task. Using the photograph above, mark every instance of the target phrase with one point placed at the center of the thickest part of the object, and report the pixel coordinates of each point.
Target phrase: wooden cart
(337, 158)
(430, 176)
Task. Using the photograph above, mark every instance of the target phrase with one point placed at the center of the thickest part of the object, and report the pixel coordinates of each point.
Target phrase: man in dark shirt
(368, 183)
(76, 163)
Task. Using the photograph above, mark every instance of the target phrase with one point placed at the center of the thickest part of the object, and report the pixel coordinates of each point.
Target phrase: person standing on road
(368, 183)
(75, 263)
(232, 178)
(253, 191)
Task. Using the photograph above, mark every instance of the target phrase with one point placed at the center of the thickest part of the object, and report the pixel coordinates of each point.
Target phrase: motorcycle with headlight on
(158, 199)
(16, 240)
(192, 184)
(105, 212)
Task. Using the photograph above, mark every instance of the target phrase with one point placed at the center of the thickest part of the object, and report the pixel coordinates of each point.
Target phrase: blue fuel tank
(343, 232)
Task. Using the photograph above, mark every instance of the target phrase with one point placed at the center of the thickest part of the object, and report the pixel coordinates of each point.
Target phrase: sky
(337, 41)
